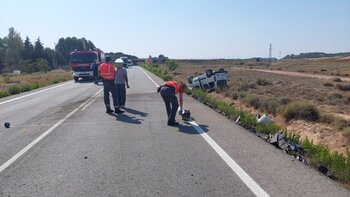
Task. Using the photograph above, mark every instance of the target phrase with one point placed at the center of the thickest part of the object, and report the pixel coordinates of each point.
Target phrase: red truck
(80, 62)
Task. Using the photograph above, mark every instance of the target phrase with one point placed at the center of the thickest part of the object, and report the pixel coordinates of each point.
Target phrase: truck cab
(80, 62)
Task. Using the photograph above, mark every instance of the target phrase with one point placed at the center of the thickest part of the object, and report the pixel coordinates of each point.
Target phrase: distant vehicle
(129, 63)
(209, 81)
(80, 62)
(125, 60)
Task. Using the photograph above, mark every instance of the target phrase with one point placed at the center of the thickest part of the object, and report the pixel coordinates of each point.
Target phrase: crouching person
(168, 92)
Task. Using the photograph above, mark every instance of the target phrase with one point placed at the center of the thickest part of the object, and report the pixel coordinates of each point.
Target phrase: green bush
(338, 164)
(268, 128)
(300, 110)
(4, 93)
(171, 64)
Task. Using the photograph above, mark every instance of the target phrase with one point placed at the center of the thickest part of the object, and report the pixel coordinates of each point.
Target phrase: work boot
(118, 111)
(173, 123)
(109, 111)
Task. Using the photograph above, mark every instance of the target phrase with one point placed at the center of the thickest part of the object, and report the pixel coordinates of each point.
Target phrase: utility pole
(270, 54)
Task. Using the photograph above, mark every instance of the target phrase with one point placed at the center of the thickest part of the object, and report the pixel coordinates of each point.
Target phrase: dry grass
(258, 88)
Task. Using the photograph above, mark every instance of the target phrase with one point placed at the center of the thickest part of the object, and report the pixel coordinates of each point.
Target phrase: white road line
(92, 99)
(35, 93)
(47, 132)
(250, 183)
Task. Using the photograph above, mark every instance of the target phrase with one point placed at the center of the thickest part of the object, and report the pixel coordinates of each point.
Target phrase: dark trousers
(121, 94)
(109, 87)
(170, 100)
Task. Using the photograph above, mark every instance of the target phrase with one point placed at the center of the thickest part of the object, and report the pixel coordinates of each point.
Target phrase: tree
(69, 44)
(38, 50)
(50, 57)
(2, 54)
(42, 65)
(28, 49)
(14, 45)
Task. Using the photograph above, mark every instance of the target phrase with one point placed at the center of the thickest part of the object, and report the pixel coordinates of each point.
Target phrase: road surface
(62, 143)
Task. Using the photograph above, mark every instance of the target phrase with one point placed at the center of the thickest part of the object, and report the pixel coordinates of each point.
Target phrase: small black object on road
(7, 125)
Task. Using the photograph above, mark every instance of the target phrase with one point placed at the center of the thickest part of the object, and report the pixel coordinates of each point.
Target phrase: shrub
(14, 90)
(267, 128)
(171, 64)
(285, 101)
(271, 105)
(343, 87)
(299, 110)
(342, 123)
(337, 79)
(263, 82)
(328, 84)
(253, 101)
(4, 93)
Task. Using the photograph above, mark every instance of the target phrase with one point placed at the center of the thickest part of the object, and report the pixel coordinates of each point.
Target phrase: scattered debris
(263, 119)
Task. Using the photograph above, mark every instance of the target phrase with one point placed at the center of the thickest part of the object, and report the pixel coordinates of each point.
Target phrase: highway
(62, 143)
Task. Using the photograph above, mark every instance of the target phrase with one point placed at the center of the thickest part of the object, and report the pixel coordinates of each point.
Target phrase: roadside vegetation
(15, 84)
(316, 155)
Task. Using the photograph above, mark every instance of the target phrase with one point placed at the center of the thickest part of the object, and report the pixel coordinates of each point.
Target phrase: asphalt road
(62, 143)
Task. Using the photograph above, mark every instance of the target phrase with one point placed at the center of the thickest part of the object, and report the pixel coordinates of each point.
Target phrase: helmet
(119, 61)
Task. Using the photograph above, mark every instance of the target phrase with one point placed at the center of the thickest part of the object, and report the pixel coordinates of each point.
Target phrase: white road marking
(247, 180)
(252, 185)
(47, 132)
(35, 93)
(92, 99)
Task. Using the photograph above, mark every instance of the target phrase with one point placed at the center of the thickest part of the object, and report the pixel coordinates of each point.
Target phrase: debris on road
(7, 125)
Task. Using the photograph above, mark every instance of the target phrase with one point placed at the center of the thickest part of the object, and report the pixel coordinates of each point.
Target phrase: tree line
(16, 54)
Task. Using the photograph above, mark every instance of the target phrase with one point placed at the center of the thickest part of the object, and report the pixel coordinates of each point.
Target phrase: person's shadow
(191, 129)
(127, 119)
(134, 111)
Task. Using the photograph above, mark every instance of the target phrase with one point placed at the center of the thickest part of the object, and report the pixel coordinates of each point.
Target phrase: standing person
(107, 72)
(121, 79)
(168, 92)
(94, 68)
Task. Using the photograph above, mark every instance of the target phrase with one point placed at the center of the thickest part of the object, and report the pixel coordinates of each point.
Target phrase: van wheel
(76, 79)
(209, 73)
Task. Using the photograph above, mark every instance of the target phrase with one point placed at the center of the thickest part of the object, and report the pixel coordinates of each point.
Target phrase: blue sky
(183, 29)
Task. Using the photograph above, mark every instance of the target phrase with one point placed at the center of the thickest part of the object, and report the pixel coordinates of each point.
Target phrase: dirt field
(326, 93)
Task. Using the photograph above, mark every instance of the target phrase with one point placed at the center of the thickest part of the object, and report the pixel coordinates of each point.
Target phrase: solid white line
(92, 99)
(47, 132)
(34, 93)
(149, 77)
(250, 183)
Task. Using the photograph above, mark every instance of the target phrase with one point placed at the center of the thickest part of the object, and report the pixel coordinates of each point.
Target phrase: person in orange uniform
(107, 72)
(168, 92)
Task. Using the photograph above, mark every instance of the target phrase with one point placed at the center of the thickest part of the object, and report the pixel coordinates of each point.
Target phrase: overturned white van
(209, 81)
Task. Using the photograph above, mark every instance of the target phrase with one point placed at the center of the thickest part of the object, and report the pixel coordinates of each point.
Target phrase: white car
(209, 81)
(129, 63)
